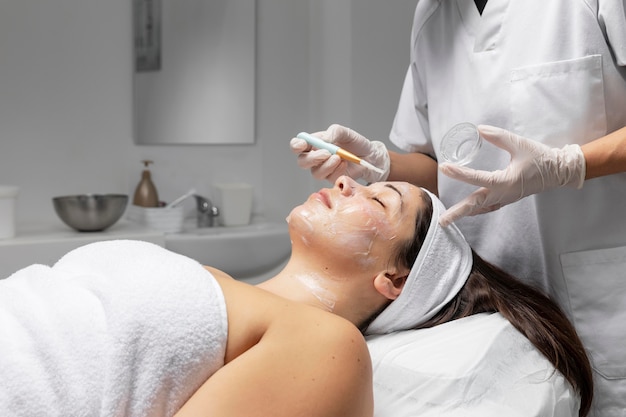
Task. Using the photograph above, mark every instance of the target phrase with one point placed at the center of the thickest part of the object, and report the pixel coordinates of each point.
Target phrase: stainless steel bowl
(90, 212)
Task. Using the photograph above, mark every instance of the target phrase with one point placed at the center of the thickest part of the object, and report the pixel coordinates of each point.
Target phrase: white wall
(66, 91)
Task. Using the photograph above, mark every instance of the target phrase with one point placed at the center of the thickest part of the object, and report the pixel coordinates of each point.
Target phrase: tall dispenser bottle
(146, 194)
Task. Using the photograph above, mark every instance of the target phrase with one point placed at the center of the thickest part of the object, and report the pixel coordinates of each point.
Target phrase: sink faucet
(207, 212)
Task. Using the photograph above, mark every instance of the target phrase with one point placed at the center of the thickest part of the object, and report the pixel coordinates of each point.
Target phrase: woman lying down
(126, 328)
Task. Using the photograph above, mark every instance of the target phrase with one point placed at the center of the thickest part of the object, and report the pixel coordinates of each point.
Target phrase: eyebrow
(399, 193)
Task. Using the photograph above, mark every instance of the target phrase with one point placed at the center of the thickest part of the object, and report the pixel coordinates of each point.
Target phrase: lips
(324, 198)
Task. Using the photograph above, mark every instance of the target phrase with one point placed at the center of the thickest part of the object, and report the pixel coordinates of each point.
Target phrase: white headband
(438, 274)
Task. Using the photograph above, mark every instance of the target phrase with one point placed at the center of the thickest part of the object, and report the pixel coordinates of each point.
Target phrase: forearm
(606, 155)
(416, 168)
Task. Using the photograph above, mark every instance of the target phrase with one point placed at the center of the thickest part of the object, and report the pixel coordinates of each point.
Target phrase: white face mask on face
(353, 230)
(353, 219)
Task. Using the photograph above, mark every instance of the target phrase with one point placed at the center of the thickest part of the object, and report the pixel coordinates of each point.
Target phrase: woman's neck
(302, 289)
(318, 289)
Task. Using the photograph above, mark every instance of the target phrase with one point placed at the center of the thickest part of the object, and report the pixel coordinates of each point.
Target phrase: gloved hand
(534, 168)
(323, 165)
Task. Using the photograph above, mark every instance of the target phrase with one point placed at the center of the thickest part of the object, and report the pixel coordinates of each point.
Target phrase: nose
(346, 185)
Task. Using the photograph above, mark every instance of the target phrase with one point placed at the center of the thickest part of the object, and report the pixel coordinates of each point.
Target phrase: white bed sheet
(476, 366)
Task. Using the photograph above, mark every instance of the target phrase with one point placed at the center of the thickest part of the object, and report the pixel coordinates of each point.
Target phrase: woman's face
(361, 223)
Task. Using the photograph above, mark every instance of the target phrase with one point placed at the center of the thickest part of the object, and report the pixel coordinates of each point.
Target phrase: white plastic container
(461, 144)
(8, 198)
(234, 201)
(162, 219)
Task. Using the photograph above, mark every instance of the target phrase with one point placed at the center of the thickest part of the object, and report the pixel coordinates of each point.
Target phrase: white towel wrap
(438, 274)
(117, 328)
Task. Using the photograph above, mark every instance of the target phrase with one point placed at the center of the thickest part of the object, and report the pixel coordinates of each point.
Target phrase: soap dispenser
(146, 193)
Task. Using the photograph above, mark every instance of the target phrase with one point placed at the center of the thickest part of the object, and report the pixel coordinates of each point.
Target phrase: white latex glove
(534, 168)
(323, 165)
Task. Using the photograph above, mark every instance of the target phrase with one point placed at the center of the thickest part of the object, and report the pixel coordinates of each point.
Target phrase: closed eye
(379, 201)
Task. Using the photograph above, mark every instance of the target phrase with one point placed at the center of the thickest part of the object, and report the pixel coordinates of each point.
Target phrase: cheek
(370, 243)
(302, 220)
(353, 230)
(368, 234)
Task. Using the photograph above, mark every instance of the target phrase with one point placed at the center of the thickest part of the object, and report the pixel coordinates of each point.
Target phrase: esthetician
(552, 185)
(127, 328)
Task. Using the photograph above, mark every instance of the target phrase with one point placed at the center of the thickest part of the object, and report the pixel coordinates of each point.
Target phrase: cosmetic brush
(336, 150)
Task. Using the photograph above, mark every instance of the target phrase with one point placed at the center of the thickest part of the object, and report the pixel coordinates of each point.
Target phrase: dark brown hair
(536, 316)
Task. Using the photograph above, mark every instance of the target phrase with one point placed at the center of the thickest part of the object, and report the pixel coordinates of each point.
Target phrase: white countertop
(38, 233)
(46, 243)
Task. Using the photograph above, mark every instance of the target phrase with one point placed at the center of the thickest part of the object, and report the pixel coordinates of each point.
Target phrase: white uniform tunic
(552, 71)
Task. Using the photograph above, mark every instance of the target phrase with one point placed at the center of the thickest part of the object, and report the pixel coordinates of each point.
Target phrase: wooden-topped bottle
(146, 194)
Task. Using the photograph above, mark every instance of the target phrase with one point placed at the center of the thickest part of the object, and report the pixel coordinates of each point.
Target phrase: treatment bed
(475, 366)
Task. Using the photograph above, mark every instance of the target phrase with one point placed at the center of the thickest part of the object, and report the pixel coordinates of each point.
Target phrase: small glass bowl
(460, 144)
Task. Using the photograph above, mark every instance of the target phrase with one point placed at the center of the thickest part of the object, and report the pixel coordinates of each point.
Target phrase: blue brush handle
(318, 143)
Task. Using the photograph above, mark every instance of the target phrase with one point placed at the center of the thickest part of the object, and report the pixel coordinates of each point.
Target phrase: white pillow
(476, 366)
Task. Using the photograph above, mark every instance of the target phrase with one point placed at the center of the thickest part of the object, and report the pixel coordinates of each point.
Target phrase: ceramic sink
(244, 252)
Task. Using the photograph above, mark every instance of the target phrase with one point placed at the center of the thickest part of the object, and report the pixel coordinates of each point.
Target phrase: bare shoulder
(299, 361)
(328, 336)
(348, 360)
(346, 355)
(325, 364)
(333, 333)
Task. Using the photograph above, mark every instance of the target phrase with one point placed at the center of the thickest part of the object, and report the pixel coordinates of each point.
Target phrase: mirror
(194, 71)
